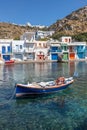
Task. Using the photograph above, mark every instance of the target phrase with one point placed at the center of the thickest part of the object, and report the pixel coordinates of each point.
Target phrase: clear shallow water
(65, 110)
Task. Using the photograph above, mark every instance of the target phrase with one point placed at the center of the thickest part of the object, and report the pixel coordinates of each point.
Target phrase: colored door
(65, 56)
(72, 56)
(54, 56)
(81, 55)
(6, 57)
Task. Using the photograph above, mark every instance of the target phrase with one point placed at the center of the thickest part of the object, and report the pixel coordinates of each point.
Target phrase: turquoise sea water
(64, 110)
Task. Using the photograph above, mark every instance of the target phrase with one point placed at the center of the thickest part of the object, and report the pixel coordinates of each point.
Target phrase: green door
(65, 56)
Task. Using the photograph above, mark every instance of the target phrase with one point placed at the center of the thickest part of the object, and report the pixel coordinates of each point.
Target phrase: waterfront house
(77, 50)
(29, 52)
(65, 51)
(41, 50)
(6, 49)
(72, 50)
(55, 50)
(81, 49)
(18, 49)
(65, 40)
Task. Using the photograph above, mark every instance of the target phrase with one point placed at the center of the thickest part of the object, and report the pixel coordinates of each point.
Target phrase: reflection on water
(72, 67)
(65, 110)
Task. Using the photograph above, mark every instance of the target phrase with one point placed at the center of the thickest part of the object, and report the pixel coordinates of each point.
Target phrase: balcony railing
(28, 50)
(55, 50)
(6, 52)
(15, 50)
(80, 50)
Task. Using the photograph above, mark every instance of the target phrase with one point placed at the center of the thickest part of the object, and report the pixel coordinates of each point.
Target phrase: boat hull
(22, 90)
(9, 62)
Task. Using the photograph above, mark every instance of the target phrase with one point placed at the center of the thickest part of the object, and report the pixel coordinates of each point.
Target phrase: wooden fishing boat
(9, 62)
(42, 88)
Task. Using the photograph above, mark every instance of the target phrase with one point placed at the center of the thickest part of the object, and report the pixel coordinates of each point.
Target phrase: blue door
(6, 57)
(54, 56)
(81, 55)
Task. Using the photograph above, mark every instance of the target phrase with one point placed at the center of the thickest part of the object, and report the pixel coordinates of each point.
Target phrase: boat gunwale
(37, 86)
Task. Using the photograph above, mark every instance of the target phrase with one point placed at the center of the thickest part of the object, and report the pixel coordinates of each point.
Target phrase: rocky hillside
(12, 31)
(75, 23)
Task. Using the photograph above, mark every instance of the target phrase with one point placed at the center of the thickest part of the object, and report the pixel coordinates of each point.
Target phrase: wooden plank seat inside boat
(47, 84)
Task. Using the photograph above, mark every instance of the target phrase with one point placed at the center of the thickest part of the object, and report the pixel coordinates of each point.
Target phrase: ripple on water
(65, 110)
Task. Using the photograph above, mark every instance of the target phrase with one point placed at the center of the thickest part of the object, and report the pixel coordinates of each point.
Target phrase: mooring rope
(10, 99)
(13, 94)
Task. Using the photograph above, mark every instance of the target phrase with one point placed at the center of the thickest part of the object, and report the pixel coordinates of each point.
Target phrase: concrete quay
(48, 61)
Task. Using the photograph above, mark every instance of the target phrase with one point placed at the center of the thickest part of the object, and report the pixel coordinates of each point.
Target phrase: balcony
(6, 53)
(17, 50)
(80, 50)
(56, 51)
(29, 50)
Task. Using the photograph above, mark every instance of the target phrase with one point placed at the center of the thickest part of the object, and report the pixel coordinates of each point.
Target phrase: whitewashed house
(55, 50)
(18, 49)
(6, 49)
(41, 50)
(29, 52)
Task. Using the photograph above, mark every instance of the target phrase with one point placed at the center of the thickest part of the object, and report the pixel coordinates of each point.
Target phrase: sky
(37, 12)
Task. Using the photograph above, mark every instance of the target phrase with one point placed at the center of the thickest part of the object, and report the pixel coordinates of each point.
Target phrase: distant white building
(39, 26)
(43, 34)
(28, 36)
(66, 39)
(32, 36)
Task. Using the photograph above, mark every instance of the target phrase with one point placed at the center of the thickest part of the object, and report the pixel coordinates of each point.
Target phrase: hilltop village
(31, 48)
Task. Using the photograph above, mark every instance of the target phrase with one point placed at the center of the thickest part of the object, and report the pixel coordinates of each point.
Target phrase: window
(39, 44)
(9, 49)
(65, 48)
(66, 40)
(20, 46)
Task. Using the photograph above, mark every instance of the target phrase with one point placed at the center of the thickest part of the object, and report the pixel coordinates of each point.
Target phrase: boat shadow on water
(58, 98)
(59, 101)
(37, 96)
